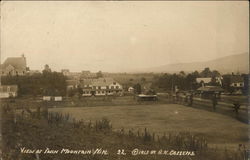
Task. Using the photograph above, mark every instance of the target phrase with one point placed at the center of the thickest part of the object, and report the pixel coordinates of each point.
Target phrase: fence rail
(232, 108)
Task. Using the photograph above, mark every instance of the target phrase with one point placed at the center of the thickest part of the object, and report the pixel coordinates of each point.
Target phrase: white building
(101, 87)
(7, 91)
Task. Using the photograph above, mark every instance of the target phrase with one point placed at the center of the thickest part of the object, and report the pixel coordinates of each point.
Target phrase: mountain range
(228, 64)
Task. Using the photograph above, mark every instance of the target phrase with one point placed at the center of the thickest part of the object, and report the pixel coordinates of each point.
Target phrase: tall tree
(99, 74)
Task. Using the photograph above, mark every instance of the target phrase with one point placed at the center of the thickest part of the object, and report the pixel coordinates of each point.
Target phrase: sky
(119, 36)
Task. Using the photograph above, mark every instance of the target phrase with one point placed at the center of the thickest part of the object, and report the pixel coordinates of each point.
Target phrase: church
(14, 66)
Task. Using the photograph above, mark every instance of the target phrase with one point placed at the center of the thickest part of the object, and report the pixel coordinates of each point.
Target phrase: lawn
(221, 131)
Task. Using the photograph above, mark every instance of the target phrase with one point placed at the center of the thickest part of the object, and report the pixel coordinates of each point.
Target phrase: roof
(237, 79)
(16, 62)
(86, 82)
(12, 88)
(146, 96)
(205, 80)
(102, 81)
(98, 82)
(211, 89)
(71, 82)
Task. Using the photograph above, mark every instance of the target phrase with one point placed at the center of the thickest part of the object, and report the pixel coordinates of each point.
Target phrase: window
(107, 87)
(112, 87)
(117, 87)
(8, 89)
(99, 87)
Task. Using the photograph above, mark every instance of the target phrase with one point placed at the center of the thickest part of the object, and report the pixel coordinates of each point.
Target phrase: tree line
(167, 82)
(182, 80)
(47, 83)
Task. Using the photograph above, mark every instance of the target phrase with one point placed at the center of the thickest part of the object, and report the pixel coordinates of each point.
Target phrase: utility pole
(0, 63)
(0, 51)
(172, 85)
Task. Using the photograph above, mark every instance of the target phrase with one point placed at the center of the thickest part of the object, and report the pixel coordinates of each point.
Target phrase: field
(220, 131)
(171, 127)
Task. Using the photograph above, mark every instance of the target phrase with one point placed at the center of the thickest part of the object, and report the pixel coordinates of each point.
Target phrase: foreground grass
(220, 131)
(39, 130)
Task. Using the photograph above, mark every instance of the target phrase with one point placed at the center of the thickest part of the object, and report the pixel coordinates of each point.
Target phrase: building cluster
(96, 86)
(236, 82)
(92, 84)
(86, 80)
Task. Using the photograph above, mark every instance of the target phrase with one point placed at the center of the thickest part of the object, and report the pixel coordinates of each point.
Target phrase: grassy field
(221, 131)
(187, 129)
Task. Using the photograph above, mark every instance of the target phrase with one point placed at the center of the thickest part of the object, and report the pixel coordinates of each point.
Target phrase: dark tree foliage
(184, 81)
(71, 92)
(167, 82)
(137, 88)
(99, 74)
(48, 83)
(214, 81)
(227, 82)
(246, 87)
(143, 80)
(208, 73)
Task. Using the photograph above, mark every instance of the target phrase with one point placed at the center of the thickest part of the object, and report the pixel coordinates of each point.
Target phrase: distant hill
(228, 64)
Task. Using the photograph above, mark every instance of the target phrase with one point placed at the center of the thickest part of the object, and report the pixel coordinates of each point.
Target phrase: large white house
(101, 87)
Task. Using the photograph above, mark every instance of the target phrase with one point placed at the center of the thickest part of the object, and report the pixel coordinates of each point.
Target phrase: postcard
(124, 80)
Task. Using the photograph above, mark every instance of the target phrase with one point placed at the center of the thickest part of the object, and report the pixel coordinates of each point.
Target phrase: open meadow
(220, 131)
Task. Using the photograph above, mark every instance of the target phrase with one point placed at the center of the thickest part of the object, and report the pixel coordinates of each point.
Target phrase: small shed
(46, 98)
(58, 98)
(143, 97)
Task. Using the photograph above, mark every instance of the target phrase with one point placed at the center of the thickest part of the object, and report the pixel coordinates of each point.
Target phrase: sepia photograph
(124, 80)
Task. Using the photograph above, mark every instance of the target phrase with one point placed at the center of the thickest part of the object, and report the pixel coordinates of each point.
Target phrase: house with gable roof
(101, 87)
(237, 81)
(14, 66)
